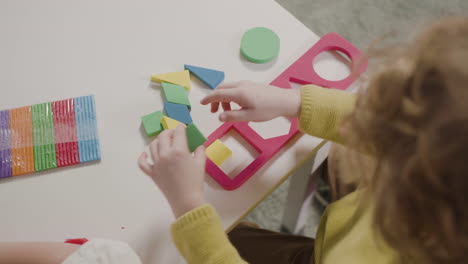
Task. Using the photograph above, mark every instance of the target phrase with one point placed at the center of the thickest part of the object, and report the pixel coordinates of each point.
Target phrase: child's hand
(178, 174)
(258, 102)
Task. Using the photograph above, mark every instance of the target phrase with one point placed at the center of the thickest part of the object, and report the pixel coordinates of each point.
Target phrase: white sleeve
(100, 251)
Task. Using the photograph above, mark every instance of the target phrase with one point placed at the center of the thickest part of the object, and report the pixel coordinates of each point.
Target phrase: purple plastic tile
(5, 144)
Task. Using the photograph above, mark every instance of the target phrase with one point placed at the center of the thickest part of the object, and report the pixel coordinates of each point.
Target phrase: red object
(66, 144)
(77, 241)
(301, 72)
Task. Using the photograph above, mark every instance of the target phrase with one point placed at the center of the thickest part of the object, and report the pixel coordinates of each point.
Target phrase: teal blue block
(212, 78)
(178, 112)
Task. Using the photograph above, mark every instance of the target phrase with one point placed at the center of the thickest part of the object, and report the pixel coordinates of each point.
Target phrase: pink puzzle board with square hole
(300, 72)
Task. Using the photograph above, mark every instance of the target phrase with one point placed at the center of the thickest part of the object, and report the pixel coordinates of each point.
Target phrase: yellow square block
(218, 152)
(169, 123)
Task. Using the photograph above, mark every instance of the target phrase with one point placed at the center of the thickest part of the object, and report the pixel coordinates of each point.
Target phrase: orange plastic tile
(22, 153)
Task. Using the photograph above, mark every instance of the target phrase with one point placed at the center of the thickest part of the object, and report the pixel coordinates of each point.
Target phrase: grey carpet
(360, 21)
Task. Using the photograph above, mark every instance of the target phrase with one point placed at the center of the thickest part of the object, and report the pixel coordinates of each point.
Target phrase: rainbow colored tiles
(49, 135)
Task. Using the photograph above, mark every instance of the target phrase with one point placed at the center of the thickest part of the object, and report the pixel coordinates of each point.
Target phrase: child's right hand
(178, 174)
(258, 102)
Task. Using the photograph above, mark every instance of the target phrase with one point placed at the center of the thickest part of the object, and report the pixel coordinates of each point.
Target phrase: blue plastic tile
(86, 127)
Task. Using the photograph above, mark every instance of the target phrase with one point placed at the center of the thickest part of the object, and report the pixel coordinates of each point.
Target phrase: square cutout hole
(274, 128)
(242, 153)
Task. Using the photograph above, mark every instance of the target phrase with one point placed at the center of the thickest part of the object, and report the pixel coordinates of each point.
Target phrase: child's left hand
(178, 174)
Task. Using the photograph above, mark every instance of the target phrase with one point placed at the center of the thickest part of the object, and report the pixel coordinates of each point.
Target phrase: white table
(55, 49)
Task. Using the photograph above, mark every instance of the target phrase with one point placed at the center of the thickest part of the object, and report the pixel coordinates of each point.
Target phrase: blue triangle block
(212, 78)
(178, 112)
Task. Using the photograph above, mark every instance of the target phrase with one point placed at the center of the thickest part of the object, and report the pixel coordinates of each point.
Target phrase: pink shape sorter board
(301, 72)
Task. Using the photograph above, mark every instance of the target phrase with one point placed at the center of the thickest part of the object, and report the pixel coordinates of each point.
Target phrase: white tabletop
(56, 49)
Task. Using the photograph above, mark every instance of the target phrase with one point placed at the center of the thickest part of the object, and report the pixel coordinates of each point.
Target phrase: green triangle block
(194, 137)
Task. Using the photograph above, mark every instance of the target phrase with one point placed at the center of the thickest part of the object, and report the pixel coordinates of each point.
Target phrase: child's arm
(35, 252)
(323, 110)
(320, 110)
(198, 232)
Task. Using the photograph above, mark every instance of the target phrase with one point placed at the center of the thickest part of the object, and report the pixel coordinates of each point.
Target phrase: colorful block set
(175, 87)
(49, 135)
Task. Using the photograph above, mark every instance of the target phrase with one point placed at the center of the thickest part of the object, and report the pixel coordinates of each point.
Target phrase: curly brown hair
(413, 118)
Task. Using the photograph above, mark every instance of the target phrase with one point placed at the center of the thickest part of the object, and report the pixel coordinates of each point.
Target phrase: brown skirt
(261, 246)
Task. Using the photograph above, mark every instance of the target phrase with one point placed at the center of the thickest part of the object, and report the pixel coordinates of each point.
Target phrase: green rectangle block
(43, 137)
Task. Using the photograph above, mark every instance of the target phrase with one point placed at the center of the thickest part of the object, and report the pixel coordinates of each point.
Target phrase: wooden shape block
(194, 137)
(169, 123)
(218, 152)
(178, 112)
(299, 72)
(212, 78)
(176, 94)
(181, 78)
(152, 123)
(260, 45)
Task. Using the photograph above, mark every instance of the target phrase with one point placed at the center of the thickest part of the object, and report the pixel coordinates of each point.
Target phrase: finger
(153, 148)
(226, 96)
(200, 156)
(214, 107)
(226, 106)
(180, 139)
(144, 165)
(229, 85)
(165, 141)
(236, 116)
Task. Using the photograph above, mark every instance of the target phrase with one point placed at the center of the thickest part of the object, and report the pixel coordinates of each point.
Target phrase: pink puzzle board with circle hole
(300, 72)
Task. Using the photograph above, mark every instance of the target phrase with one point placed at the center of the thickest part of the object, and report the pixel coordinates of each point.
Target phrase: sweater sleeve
(200, 237)
(323, 110)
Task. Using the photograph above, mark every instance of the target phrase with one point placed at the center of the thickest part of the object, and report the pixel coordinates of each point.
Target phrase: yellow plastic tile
(218, 152)
(169, 123)
(181, 78)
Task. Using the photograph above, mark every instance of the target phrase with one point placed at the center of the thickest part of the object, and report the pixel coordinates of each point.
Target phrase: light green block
(260, 45)
(175, 94)
(152, 123)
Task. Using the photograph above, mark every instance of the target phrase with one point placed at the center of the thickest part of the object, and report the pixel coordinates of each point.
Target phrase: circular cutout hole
(332, 65)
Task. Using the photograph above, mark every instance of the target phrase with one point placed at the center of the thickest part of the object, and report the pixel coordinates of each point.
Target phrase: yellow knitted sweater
(345, 233)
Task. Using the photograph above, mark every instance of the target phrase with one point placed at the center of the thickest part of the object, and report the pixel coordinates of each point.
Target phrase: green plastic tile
(152, 123)
(176, 94)
(194, 137)
(260, 45)
(43, 137)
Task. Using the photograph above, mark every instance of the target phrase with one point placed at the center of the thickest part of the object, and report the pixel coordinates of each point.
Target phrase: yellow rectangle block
(218, 153)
